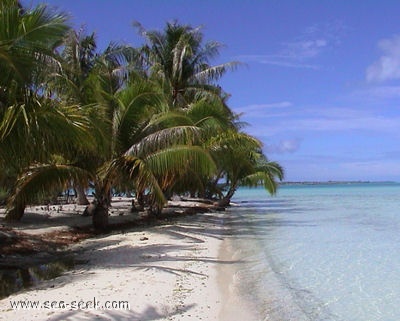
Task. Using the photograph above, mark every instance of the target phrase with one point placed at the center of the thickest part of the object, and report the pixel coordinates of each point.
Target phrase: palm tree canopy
(241, 161)
(178, 57)
(150, 144)
(27, 41)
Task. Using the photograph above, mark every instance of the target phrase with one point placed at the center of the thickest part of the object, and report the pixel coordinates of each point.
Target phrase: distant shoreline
(335, 182)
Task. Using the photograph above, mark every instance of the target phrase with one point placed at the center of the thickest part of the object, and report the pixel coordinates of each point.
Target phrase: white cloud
(300, 52)
(326, 120)
(388, 65)
(281, 104)
(380, 124)
(282, 60)
(338, 112)
(259, 110)
(304, 49)
(284, 146)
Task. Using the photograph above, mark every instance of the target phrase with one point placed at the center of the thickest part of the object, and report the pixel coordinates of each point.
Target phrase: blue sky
(321, 82)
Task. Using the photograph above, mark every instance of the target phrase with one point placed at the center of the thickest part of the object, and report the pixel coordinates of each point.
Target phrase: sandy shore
(177, 271)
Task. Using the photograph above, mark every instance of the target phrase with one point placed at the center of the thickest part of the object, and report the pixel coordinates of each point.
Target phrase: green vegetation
(150, 120)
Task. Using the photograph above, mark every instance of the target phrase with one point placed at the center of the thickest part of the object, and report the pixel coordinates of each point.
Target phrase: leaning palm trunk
(81, 198)
(15, 213)
(34, 185)
(226, 200)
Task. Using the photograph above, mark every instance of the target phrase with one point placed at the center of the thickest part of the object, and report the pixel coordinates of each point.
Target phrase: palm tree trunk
(100, 217)
(81, 198)
(226, 200)
(15, 213)
(230, 193)
(140, 200)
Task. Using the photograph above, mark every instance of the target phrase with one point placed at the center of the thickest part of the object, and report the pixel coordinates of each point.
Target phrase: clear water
(320, 252)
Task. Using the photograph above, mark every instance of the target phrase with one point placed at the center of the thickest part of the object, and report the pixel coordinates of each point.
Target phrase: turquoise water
(320, 252)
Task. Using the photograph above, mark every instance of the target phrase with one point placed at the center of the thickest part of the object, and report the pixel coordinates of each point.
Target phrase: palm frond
(138, 170)
(211, 115)
(39, 129)
(168, 119)
(39, 180)
(136, 104)
(207, 74)
(165, 138)
(234, 141)
(261, 178)
(176, 159)
(27, 41)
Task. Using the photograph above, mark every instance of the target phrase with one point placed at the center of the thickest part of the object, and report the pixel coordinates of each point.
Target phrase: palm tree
(81, 82)
(30, 122)
(241, 162)
(73, 85)
(266, 173)
(149, 145)
(179, 60)
(27, 42)
(87, 79)
(213, 117)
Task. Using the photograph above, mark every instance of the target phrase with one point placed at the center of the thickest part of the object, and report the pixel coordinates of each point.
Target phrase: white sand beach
(176, 271)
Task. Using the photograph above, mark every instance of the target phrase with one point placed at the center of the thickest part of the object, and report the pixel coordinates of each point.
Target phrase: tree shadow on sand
(150, 313)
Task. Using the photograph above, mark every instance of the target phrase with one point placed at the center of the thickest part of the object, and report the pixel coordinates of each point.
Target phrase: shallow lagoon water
(321, 252)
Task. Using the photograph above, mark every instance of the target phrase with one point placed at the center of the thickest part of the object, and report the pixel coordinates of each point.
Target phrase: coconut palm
(78, 58)
(148, 147)
(212, 116)
(177, 57)
(30, 122)
(241, 162)
(265, 173)
(88, 78)
(88, 150)
(27, 42)
(180, 62)
(73, 85)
